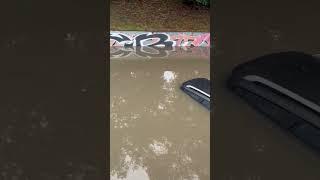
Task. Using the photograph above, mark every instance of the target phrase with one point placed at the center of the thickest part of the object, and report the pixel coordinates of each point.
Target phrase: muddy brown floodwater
(157, 131)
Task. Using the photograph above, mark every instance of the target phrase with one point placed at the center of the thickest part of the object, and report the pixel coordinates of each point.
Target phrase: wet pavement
(247, 145)
(157, 131)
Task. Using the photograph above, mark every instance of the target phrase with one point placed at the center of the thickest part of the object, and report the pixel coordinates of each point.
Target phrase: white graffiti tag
(144, 39)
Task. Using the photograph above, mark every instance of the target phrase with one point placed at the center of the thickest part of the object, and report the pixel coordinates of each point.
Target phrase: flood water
(157, 131)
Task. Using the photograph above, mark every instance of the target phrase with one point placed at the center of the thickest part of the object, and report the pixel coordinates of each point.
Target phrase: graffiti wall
(159, 39)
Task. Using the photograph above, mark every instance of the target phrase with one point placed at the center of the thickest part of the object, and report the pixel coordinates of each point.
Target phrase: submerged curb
(159, 39)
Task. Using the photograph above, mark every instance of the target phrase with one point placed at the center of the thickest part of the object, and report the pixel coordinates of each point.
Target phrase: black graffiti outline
(122, 39)
(163, 39)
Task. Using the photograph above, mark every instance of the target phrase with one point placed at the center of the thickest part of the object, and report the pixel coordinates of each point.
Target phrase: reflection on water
(157, 131)
(143, 52)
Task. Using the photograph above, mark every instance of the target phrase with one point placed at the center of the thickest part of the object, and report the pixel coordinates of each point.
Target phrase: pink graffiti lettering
(200, 39)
